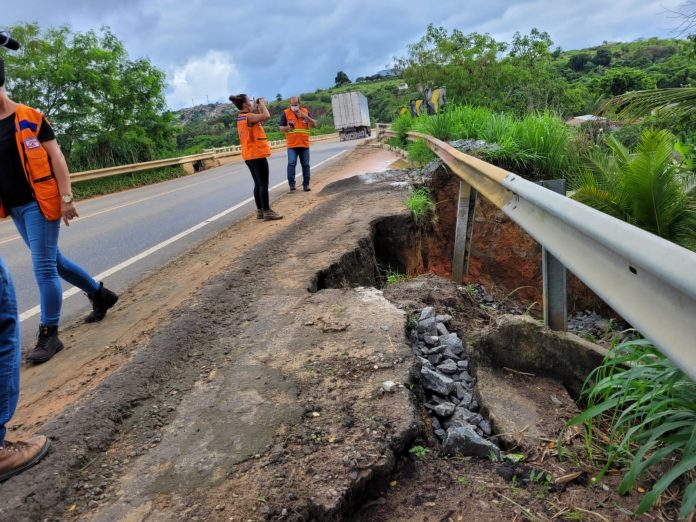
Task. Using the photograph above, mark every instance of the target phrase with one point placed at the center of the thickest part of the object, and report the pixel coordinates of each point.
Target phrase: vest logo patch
(32, 143)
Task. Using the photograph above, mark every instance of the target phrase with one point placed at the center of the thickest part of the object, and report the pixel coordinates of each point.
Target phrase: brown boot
(15, 457)
(270, 215)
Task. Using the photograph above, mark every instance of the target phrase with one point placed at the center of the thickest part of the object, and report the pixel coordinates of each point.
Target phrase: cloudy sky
(212, 48)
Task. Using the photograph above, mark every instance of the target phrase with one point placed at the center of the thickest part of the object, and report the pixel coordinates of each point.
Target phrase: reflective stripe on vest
(36, 163)
(299, 136)
(252, 138)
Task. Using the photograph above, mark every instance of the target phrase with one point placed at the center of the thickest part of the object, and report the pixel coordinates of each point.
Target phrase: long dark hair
(239, 100)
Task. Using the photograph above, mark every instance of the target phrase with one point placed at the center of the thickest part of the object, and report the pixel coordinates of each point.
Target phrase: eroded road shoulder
(257, 399)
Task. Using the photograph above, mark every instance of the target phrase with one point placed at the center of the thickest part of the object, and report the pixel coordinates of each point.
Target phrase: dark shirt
(14, 187)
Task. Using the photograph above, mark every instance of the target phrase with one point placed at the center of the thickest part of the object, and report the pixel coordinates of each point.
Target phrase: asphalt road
(123, 236)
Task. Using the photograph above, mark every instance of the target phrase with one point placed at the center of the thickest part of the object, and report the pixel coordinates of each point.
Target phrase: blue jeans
(10, 353)
(41, 236)
(303, 154)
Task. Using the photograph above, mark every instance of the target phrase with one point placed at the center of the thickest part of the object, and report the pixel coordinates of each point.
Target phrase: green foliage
(602, 57)
(341, 79)
(538, 146)
(578, 62)
(650, 407)
(106, 108)
(393, 277)
(420, 452)
(645, 188)
(674, 103)
(419, 153)
(111, 184)
(420, 203)
(619, 80)
(529, 78)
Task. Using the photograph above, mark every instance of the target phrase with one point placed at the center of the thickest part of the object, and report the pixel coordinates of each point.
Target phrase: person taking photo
(255, 149)
(295, 122)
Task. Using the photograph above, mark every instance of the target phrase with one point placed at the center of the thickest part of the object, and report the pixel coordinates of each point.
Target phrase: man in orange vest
(295, 122)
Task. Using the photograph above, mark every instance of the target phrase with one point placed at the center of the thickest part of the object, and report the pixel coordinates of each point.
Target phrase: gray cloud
(212, 48)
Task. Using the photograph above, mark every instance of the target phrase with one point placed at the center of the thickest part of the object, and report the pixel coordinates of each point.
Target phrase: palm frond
(677, 103)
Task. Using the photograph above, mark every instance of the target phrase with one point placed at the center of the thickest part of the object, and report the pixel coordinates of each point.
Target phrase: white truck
(351, 115)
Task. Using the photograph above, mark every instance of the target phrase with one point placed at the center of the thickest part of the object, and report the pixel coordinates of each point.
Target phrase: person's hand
(261, 101)
(69, 212)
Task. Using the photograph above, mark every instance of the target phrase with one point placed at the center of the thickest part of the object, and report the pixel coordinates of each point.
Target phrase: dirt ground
(94, 352)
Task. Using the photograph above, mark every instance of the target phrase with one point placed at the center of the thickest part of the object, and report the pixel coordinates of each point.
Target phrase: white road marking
(74, 290)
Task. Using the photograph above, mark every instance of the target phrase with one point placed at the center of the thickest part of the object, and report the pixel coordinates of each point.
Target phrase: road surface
(122, 236)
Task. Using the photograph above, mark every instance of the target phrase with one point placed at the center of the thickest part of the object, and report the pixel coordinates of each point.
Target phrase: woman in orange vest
(255, 149)
(35, 191)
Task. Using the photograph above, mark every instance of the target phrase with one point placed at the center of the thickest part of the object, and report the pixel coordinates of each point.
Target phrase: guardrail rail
(648, 280)
(210, 154)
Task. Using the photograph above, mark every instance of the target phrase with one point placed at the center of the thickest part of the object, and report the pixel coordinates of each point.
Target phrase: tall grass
(650, 406)
(420, 203)
(419, 153)
(538, 146)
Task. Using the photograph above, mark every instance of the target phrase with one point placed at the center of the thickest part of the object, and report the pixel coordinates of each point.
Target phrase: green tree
(619, 80)
(106, 108)
(279, 97)
(466, 63)
(577, 62)
(602, 57)
(645, 188)
(341, 79)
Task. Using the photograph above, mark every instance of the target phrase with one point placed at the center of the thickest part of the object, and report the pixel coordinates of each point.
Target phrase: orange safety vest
(36, 163)
(252, 138)
(299, 136)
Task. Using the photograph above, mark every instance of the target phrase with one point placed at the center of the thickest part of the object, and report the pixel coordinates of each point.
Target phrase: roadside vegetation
(420, 202)
(637, 165)
(98, 187)
(641, 418)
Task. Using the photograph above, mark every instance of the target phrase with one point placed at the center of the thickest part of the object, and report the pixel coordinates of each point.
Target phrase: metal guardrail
(648, 280)
(210, 154)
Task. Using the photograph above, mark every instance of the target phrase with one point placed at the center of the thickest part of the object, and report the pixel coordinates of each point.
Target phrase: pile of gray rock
(449, 388)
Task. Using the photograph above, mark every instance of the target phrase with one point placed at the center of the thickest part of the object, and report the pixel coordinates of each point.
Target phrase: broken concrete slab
(524, 411)
(524, 344)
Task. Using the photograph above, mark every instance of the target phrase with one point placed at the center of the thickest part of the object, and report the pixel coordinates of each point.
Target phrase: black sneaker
(101, 300)
(47, 345)
(306, 189)
(259, 214)
(292, 189)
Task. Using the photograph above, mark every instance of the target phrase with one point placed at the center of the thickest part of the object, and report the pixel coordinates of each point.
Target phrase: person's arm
(284, 127)
(264, 115)
(311, 122)
(60, 170)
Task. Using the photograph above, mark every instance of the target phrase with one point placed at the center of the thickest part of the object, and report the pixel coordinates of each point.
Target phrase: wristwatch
(68, 198)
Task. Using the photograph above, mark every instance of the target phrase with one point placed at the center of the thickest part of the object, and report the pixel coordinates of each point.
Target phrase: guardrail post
(466, 208)
(554, 277)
